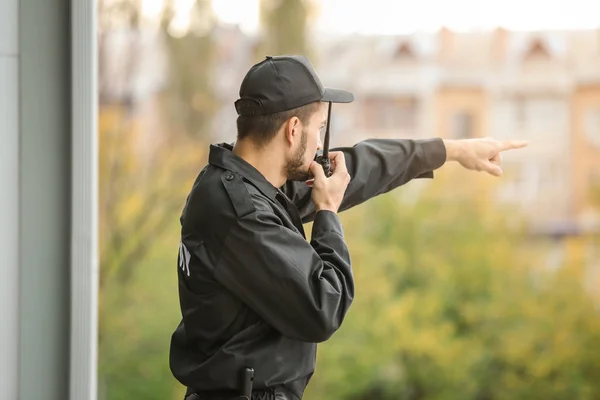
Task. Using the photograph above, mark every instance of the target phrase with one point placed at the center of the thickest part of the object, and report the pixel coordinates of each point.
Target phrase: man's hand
(328, 193)
(480, 154)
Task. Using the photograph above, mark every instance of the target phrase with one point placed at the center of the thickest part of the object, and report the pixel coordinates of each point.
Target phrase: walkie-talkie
(323, 156)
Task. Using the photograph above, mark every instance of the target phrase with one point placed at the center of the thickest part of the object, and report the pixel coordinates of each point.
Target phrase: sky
(400, 16)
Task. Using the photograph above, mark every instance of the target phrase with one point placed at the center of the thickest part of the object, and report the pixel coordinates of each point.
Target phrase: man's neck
(265, 159)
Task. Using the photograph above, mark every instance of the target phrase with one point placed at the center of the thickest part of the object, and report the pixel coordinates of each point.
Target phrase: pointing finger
(512, 144)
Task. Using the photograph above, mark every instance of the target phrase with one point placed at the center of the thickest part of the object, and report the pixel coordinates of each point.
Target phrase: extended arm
(376, 166)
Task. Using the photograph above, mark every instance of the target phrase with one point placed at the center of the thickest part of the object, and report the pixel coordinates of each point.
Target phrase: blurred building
(542, 87)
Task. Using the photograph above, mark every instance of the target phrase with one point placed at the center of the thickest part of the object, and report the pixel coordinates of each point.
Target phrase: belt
(278, 393)
(203, 396)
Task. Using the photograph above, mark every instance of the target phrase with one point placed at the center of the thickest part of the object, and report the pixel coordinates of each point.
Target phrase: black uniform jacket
(253, 291)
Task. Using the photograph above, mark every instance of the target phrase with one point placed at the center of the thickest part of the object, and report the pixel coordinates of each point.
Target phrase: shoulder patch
(238, 193)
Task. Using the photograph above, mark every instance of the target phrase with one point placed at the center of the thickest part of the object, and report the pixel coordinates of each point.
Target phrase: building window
(392, 113)
(592, 125)
(540, 114)
(404, 52)
(537, 50)
(461, 126)
(406, 113)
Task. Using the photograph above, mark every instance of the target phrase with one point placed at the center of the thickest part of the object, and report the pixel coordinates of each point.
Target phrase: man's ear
(292, 128)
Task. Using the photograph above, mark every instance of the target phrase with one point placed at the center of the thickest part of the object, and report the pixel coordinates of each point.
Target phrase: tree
(118, 16)
(284, 27)
(188, 101)
(188, 98)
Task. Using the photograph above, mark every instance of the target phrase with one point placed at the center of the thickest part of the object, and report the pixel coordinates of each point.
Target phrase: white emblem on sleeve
(184, 258)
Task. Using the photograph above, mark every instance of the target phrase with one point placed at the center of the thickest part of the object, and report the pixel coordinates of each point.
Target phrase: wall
(9, 198)
(452, 101)
(44, 198)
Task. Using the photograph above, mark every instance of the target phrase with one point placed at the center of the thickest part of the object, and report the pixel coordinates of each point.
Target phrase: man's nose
(319, 145)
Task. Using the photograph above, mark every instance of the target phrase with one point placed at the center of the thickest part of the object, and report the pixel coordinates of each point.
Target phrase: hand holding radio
(330, 174)
(328, 192)
(325, 162)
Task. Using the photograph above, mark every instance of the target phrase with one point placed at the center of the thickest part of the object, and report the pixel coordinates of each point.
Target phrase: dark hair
(261, 129)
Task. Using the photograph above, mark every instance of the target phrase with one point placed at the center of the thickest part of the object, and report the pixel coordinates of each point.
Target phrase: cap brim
(337, 96)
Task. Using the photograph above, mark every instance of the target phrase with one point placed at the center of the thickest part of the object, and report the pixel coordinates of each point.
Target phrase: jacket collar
(221, 155)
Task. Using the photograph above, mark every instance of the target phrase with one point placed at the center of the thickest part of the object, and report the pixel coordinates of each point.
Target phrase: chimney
(499, 45)
(445, 45)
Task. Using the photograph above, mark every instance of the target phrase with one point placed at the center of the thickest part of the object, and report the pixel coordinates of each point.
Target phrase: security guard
(255, 295)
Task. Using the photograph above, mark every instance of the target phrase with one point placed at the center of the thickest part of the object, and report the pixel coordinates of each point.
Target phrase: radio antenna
(326, 142)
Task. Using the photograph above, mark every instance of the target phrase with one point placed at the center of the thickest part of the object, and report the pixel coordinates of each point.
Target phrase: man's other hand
(482, 154)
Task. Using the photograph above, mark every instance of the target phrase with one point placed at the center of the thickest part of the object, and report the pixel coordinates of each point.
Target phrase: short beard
(295, 167)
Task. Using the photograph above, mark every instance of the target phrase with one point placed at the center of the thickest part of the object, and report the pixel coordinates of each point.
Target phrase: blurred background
(467, 286)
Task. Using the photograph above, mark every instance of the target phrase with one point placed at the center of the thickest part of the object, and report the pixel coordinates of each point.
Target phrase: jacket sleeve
(301, 289)
(376, 166)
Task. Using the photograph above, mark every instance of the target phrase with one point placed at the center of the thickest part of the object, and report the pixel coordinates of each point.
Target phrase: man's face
(310, 142)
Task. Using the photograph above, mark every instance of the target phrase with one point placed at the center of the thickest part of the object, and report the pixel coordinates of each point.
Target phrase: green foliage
(142, 316)
(451, 301)
(449, 305)
(141, 196)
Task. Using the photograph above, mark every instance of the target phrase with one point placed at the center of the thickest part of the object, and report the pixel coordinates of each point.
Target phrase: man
(253, 292)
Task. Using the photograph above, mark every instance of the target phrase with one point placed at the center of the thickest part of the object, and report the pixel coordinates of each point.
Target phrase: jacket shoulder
(220, 197)
(238, 192)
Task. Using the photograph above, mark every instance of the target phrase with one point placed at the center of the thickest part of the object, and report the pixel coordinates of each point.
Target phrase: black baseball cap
(282, 83)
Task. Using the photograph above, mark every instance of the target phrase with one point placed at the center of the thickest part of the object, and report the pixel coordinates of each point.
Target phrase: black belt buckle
(247, 379)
